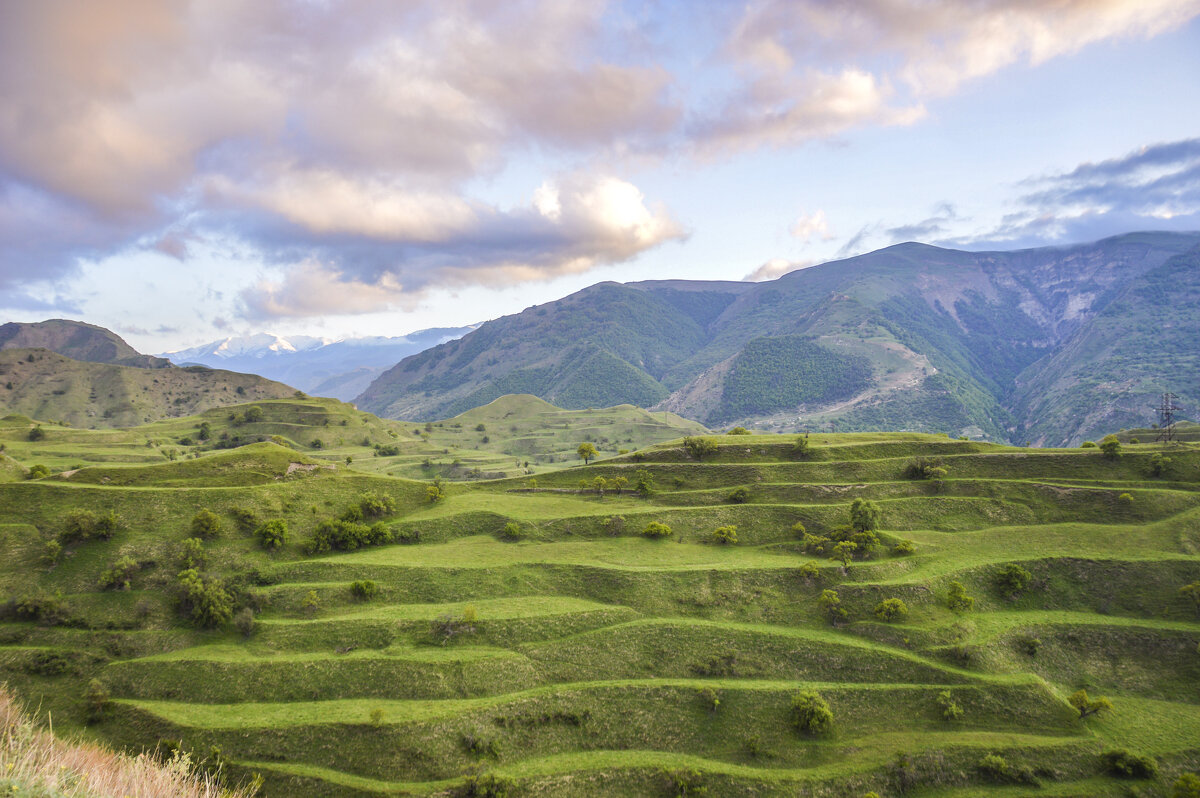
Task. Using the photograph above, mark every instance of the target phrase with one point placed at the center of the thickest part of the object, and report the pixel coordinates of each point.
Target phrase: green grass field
(525, 638)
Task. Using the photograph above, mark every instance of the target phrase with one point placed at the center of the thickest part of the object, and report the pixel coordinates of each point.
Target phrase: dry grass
(34, 762)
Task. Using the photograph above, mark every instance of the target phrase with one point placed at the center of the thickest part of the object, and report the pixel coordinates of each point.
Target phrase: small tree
(273, 534)
(513, 531)
(206, 600)
(950, 708)
(699, 448)
(810, 714)
(739, 496)
(311, 603)
(599, 484)
(1011, 579)
(618, 484)
(843, 551)
(1191, 594)
(800, 447)
(725, 534)
(738, 431)
(864, 515)
(253, 414)
(206, 524)
(1186, 786)
(37, 433)
(892, 609)
(643, 482)
(831, 605)
(435, 491)
(364, 589)
(96, 698)
(587, 452)
(193, 553)
(957, 598)
(1088, 706)
(1111, 447)
(1159, 464)
(654, 529)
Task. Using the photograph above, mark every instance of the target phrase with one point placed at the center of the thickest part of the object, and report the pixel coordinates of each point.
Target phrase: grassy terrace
(571, 655)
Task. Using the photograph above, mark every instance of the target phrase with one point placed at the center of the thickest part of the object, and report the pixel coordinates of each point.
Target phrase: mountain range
(322, 366)
(1046, 345)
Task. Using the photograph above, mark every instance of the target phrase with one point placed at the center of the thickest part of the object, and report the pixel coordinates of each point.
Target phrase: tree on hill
(810, 714)
(864, 515)
(1192, 594)
(37, 433)
(699, 447)
(587, 452)
(957, 598)
(1011, 579)
(831, 605)
(1111, 447)
(892, 609)
(206, 524)
(1186, 786)
(1088, 706)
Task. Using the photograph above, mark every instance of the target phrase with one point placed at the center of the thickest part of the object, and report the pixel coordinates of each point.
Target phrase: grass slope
(531, 639)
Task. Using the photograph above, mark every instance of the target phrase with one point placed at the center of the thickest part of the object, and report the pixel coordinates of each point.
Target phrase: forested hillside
(1034, 345)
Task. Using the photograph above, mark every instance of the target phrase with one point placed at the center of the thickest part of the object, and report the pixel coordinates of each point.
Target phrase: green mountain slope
(512, 639)
(78, 341)
(940, 340)
(47, 386)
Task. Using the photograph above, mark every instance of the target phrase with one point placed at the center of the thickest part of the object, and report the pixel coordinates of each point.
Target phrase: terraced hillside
(499, 638)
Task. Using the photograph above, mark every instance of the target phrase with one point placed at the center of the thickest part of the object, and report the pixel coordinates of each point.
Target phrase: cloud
(809, 226)
(1154, 187)
(573, 224)
(342, 138)
(776, 268)
(812, 69)
(932, 227)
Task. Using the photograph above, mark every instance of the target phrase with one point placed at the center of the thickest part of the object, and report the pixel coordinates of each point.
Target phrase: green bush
(654, 529)
(119, 574)
(1186, 786)
(957, 599)
(193, 555)
(725, 534)
(739, 496)
(949, 707)
(272, 534)
(204, 600)
(903, 548)
(37, 471)
(37, 433)
(1111, 447)
(95, 699)
(373, 505)
(206, 524)
(699, 448)
(1012, 579)
(364, 589)
(810, 714)
(831, 605)
(1088, 445)
(1159, 464)
(864, 515)
(513, 531)
(892, 609)
(345, 535)
(738, 431)
(1120, 762)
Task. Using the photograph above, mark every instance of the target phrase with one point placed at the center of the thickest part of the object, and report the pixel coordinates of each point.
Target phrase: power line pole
(1166, 418)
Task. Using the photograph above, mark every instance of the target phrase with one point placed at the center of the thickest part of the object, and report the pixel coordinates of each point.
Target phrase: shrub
(311, 603)
(1125, 500)
(376, 717)
(1011, 579)
(709, 698)
(364, 589)
(864, 515)
(51, 551)
(957, 599)
(615, 525)
(96, 700)
(843, 551)
(1088, 706)
(800, 447)
(373, 505)
(78, 525)
(1029, 645)
(353, 514)
(950, 708)
(809, 571)
(815, 544)
(1088, 445)
(107, 525)
(206, 524)
(119, 574)
(892, 609)
(799, 530)
(1111, 447)
(1159, 464)
(193, 553)
(738, 431)
(1191, 593)
(643, 482)
(683, 783)
(37, 471)
(206, 601)
(273, 534)
(346, 535)
(1120, 762)
(1186, 786)
(253, 414)
(810, 714)
(243, 621)
(41, 607)
(739, 496)
(995, 768)
(699, 448)
(903, 548)
(245, 519)
(513, 531)
(654, 529)
(37, 433)
(725, 534)
(831, 605)
(435, 491)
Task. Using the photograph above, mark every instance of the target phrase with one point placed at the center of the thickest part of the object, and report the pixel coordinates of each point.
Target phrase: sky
(184, 171)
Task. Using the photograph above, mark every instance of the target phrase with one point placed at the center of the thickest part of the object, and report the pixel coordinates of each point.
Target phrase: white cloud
(776, 268)
(810, 226)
